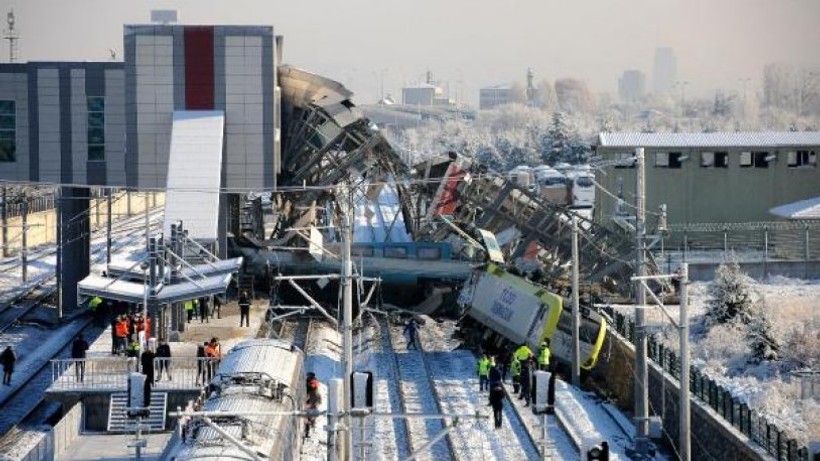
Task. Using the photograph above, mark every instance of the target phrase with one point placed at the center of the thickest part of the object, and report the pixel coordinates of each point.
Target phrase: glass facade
(8, 131)
(96, 128)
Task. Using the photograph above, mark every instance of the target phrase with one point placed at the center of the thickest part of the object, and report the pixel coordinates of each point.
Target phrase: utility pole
(11, 35)
(347, 320)
(4, 215)
(108, 228)
(641, 370)
(576, 312)
(24, 240)
(685, 440)
(147, 224)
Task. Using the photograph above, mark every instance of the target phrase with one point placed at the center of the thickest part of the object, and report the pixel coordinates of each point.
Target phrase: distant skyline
(466, 44)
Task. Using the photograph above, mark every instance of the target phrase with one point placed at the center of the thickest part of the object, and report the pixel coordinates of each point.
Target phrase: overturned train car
(502, 309)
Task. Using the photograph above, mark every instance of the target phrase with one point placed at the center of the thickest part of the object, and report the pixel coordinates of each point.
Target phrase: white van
(583, 188)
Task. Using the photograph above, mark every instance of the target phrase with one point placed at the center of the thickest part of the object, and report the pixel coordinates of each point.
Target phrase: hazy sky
(466, 43)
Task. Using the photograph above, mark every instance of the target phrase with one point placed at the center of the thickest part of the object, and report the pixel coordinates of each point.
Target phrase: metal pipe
(314, 303)
(233, 440)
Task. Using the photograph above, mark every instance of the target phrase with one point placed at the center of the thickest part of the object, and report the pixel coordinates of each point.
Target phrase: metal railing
(111, 373)
(757, 427)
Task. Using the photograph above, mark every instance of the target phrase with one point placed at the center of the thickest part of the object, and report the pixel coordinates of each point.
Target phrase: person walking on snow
(7, 358)
(244, 308)
(411, 330)
(495, 373)
(497, 402)
(314, 399)
(483, 369)
(526, 381)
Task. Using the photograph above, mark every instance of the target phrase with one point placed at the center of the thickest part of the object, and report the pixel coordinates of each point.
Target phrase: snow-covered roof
(726, 139)
(502, 86)
(803, 209)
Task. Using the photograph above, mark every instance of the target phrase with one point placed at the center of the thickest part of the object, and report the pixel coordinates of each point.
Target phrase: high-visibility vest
(544, 356)
(189, 305)
(95, 301)
(213, 351)
(523, 353)
(122, 328)
(483, 367)
(515, 367)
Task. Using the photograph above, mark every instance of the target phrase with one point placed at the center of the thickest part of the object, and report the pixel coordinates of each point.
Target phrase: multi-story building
(665, 71)
(710, 177)
(632, 85)
(494, 96)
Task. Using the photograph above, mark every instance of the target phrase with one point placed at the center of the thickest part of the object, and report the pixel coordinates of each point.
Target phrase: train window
(588, 330)
(361, 251)
(428, 253)
(395, 252)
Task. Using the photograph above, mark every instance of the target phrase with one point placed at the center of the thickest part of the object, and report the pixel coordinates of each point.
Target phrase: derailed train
(257, 376)
(511, 310)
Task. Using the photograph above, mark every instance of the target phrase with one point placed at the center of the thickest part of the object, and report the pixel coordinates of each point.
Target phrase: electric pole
(641, 377)
(685, 442)
(347, 320)
(576, 314)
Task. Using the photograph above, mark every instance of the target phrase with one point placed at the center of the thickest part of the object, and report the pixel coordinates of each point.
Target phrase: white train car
(256, 376)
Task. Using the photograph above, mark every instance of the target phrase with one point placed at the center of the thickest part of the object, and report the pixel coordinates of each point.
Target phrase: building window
(802, 159)
(714, 159)
(761, 159)
(624, 160)
(96, 128)
(8, 131)
(669, 160)
(745, 159)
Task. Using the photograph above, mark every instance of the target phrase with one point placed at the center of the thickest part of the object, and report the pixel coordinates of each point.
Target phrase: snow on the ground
(720, 352)
(322, 356)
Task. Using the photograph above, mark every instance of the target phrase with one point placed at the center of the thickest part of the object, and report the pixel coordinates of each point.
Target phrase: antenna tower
(11, 35)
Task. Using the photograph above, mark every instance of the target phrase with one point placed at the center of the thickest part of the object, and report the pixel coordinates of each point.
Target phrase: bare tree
(574, 96)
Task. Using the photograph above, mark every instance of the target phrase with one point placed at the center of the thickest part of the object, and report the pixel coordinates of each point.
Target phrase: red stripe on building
(199, 68)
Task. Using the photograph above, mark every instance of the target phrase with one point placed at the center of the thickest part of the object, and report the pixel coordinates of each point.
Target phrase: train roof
(260, 360)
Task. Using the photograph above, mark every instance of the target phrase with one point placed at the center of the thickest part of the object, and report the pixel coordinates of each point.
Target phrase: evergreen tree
(760, 335)
(731, 295)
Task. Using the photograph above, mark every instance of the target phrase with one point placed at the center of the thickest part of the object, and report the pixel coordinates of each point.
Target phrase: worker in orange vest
(121, 332)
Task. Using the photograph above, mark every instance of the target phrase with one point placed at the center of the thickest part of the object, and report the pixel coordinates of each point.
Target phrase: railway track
(33, 296)
(20, 403)
(413, 373)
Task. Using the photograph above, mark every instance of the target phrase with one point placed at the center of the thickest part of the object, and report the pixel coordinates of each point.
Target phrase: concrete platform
(113, 447)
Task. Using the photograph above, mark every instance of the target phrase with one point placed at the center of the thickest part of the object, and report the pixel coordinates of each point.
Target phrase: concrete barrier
(67, 430)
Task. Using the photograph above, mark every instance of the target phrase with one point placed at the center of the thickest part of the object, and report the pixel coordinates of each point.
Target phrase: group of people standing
(209, 353)
(520, 363)
(129, 332)
(201, 308)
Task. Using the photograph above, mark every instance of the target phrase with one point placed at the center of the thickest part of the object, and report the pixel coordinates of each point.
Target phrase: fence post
(765, 251)
(805, 260)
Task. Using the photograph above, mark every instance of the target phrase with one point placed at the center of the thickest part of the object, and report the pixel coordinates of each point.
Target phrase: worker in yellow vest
(544, 355)
(515, 369)
(483, 369)
(523, 353)
(189, 309)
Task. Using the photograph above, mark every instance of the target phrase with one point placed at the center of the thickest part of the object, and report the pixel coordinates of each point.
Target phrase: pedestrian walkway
(104, 371)
(113, 447)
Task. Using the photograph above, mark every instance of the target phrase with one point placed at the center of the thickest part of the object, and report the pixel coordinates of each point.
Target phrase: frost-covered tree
(760, 334)
(730, 295)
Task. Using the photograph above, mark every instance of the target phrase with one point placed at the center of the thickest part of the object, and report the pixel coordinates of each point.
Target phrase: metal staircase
(118, 420)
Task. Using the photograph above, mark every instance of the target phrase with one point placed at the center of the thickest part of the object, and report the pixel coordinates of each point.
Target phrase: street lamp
(682, 84)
